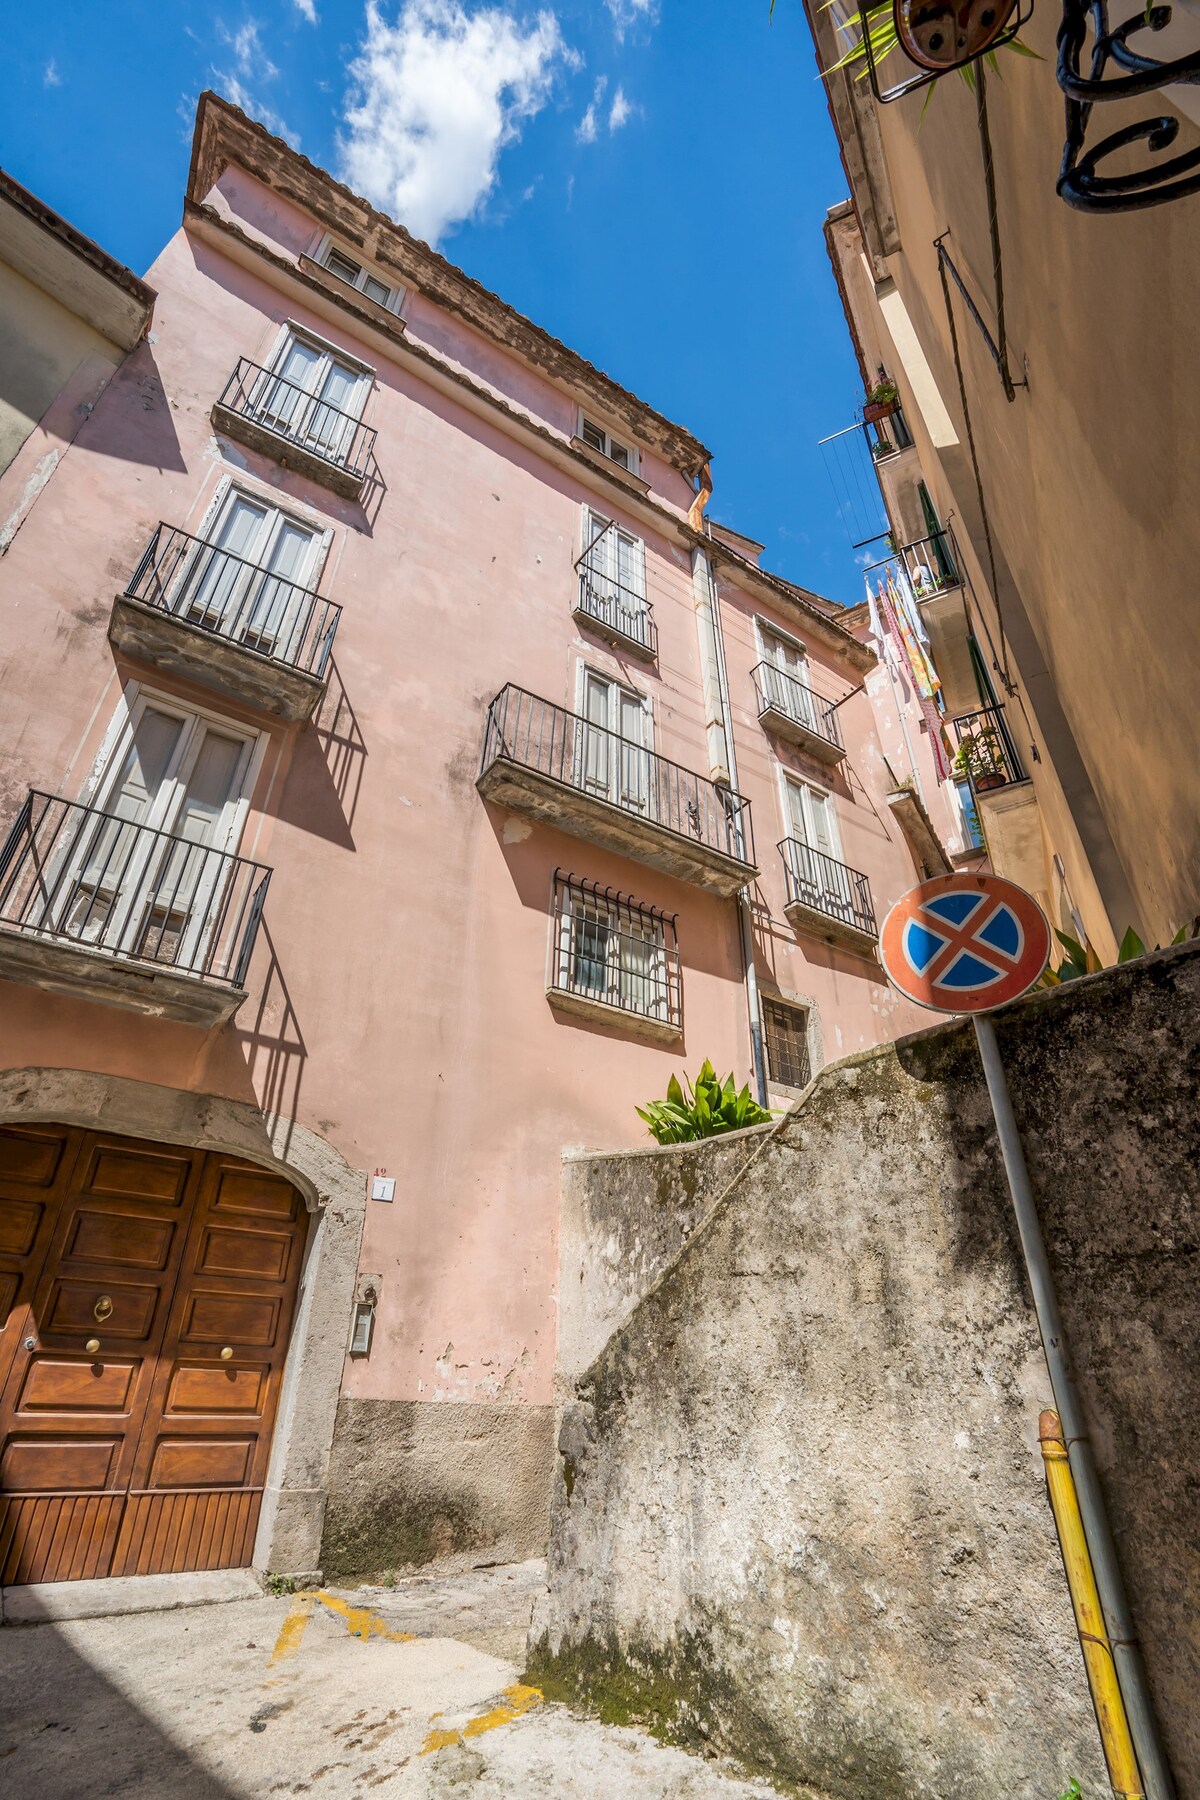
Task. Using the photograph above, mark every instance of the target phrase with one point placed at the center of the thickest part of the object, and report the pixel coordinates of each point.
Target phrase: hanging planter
(882, 401)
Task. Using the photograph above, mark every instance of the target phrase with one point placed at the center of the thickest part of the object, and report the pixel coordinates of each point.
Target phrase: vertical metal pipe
(1126, 1653)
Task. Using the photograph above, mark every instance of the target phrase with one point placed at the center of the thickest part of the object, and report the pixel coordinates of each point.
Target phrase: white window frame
(789, 778)
(632, 600)
(230, 486)
(620, 981)
(633, 467)
(289, 332)
(330, 246)
(118, 740)
(617, 782)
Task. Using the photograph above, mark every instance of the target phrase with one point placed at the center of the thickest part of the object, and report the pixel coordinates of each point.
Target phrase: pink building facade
(389, 740)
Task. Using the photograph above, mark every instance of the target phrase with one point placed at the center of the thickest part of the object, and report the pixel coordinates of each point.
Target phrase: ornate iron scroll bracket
(1079, 183)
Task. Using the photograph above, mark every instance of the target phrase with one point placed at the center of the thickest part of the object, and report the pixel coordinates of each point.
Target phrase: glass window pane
(342, 265)
(376, 290)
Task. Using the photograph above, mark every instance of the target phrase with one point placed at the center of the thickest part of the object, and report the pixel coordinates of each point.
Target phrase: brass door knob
(92, 1346)
(226, 1353)
(102, 1309)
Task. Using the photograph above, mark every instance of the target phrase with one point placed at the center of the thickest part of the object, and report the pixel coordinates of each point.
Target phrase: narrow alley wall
(799, 1510)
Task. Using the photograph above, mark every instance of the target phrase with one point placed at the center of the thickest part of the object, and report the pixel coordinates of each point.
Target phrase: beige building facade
(1049, 391)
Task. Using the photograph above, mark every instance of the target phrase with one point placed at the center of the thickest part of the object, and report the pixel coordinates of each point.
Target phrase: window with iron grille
(785, 1029)
(609, 950)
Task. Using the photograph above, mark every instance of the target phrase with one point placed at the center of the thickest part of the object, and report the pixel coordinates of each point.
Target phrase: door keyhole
(103, 1308)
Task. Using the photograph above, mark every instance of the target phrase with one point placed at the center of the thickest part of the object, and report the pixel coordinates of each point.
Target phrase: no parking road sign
(965, 943)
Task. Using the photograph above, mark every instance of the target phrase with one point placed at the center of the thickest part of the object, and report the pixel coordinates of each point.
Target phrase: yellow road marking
(291, 1632)
(517, 1700)
(358, 1620)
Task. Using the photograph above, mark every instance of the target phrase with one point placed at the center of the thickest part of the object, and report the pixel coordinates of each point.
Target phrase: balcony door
(615, 575)
(313, 396)
(616, 764)
(149, 867)
(820, 875)
(253, 573)
(785, 677)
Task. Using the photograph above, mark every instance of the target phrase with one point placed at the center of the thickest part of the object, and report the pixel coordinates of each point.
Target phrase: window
(785, 1035)
(609, 950)
(785, 677)
(599, 439)
(253, 572)
(151, 874)
(613, 578)
(353, 273)
(313, 395)
(614, 744)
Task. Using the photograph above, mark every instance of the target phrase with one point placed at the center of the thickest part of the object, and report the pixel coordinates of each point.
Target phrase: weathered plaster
(800, 1508)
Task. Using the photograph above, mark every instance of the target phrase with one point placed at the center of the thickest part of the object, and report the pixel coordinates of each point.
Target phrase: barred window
(785, 1029)
(610, 951)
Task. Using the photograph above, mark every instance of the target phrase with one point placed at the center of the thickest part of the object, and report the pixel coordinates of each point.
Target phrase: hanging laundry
(925, 690)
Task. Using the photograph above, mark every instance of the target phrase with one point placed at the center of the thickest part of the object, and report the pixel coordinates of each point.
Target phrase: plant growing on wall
(1082, 960)
(709, 1107)
(980, 758)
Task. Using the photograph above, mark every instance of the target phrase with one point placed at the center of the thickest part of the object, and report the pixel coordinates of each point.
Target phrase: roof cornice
(224, 135)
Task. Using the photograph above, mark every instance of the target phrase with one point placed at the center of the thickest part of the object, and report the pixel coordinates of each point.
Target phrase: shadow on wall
(325, 775)
(134, 422)
(273, 1044)
(66, 1731)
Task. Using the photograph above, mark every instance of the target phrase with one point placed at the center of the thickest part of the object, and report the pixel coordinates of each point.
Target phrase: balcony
(1005, 801)
(614, 960)
(548, 763)
(100, 908)
(985, 753)
(827, 899)
(204, 613)
(620, 615)
(295, 428)
(790, 710)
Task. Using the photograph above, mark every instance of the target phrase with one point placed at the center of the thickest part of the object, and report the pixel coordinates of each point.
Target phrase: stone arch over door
(293, 1508)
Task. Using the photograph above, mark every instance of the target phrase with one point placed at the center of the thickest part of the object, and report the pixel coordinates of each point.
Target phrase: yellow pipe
(1089, 1619)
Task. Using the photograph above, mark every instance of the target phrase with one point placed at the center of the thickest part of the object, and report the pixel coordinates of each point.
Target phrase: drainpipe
(718, 718)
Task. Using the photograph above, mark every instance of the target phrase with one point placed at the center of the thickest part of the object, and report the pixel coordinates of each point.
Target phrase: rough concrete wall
(411, 1483)
(800, 1508)
(624, 1219)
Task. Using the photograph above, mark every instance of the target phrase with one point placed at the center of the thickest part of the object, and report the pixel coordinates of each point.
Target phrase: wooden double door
(146, 1298)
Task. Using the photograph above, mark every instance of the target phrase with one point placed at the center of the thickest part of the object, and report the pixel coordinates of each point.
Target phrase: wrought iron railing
(290, 412)
(985, 753)
(617, 608)
(524, 729)
(237, 600)
(612, 951)
(931, 563)
(828, 886)
(779, 691)
(888, 436)
(72, 873)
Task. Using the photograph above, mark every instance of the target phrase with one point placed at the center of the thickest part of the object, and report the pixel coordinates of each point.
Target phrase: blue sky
(644, 178)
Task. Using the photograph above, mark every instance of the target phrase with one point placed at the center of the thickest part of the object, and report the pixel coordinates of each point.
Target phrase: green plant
(1074, 1792)
(882, 392)
(1082, 960)
(981, 753)
(279, 1585)
(709, 1107)
(881, 30)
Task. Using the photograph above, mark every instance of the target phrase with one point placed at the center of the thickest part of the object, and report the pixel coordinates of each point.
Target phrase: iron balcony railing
(290, 412)
(931, 563)
(77, 875)
(610, 950)
(617, 608)
(780, 692)
(237, 600)
(828, 886)
(535, 734)
(986, 755)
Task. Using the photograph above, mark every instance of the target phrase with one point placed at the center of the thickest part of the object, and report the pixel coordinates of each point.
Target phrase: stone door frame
(293, 1508)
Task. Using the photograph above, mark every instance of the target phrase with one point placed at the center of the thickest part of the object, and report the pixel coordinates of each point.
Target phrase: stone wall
(799, 1510)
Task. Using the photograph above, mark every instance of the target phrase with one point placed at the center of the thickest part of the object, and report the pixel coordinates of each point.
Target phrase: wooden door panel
(60, 1384)
(149, 1453)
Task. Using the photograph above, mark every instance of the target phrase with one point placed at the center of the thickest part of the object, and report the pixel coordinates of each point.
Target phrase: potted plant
(882, 401)
(981, 759)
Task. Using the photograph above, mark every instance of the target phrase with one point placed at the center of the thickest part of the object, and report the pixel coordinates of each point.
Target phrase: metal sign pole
(1130, 1670)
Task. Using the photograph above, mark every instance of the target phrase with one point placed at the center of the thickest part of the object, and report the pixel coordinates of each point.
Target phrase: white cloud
(585, 131)
(436, 97)
(621, 112)
(306, 9)
(248, 51)
(50, 75)
(632, 12)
